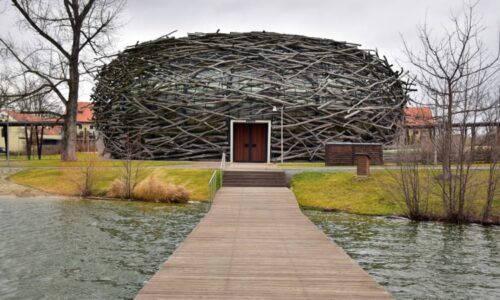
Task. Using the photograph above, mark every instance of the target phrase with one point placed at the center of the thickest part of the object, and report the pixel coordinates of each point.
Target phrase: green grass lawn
(307, 165)
(343, 191)
(55, 161)
(59, 180)
(374, 195)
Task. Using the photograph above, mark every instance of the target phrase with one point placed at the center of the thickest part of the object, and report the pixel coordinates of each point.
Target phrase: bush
(117, 189)
(152, 189)
(177, 194)
(82, 177)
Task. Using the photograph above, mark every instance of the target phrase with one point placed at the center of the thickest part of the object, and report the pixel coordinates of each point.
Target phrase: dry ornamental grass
(154, 190)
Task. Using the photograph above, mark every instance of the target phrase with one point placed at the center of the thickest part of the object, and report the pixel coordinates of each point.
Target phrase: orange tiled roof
(56, 130)
(418, 116)
(84, 112)
(23, 117)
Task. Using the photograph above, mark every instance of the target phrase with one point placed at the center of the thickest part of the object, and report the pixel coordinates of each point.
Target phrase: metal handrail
(213, 186)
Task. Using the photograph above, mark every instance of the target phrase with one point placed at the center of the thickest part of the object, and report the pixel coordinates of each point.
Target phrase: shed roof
(19, 117)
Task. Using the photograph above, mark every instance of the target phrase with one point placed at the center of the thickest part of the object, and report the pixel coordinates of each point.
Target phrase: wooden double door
(250, 142)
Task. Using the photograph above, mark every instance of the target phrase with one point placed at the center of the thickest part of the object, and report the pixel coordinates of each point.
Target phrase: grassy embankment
(340, 191)
(57, 181)
(54, 176)
(374, 195)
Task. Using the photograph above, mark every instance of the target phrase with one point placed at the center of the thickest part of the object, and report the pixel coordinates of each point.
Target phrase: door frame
(239, 121)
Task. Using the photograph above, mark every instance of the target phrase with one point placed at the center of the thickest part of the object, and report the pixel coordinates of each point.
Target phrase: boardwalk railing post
(215, 183)
(211, 186)
(222, 166)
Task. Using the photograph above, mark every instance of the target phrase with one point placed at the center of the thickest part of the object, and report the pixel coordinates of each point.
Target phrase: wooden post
(39, 141)
(434, 147)
(363, 164)
(5, 131)
(29, 140)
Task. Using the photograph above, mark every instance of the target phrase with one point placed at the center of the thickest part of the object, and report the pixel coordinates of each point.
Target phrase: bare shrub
(131, 165)
(131, 172)
(84, 176)
(493, 180)
(117, 189)
(455, 72)
(411, 184)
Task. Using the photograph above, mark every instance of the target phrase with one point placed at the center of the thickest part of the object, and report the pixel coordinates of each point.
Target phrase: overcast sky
(375, 24)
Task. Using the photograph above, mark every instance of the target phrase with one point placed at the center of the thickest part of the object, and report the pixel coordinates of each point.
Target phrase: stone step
(254, 178)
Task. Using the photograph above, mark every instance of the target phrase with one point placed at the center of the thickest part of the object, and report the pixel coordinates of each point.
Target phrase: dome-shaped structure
(199, 96)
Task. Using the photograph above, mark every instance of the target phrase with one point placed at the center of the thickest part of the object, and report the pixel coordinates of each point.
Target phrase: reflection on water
(420, 260)
(67, 249)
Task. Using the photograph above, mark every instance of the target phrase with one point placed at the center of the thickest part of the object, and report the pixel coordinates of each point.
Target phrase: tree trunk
(69, 139)
(69, 135)
(447, 149)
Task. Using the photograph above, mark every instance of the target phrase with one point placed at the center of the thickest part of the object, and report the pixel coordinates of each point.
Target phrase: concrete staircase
(254, 179)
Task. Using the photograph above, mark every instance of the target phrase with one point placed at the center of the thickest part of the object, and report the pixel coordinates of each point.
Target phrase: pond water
(82, 249)
(420, 260)
(69, 249)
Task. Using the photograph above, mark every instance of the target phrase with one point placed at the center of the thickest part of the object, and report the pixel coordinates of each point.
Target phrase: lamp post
(275, 109)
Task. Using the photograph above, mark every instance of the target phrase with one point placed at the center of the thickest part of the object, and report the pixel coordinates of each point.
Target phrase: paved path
(8, 188)
(250, 167)
(255, 243)
(22, 165)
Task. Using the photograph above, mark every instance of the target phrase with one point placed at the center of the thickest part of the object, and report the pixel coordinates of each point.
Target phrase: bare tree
(131, 165)
(68, 34)
(3, 92)
(454, 71)
(39, 104)
(85, 175)
(492, 144)
(4, 86)
(411, 183)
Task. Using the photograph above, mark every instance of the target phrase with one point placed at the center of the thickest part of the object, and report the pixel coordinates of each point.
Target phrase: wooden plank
(255, 243)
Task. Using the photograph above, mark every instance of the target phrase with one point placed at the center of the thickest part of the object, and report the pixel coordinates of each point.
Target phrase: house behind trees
(22, 125)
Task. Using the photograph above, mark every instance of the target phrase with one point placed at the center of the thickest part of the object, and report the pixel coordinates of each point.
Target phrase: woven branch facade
(179, 96)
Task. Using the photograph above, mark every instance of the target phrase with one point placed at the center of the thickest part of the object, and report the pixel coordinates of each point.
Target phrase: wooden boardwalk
(255, 243)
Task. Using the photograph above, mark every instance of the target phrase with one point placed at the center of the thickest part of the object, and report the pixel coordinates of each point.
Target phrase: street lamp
(275, 109)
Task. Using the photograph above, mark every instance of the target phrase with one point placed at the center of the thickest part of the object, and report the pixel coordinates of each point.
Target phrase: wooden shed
(344, 153)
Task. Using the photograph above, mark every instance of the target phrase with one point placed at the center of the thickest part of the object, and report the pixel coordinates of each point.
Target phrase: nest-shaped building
(251, 95)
